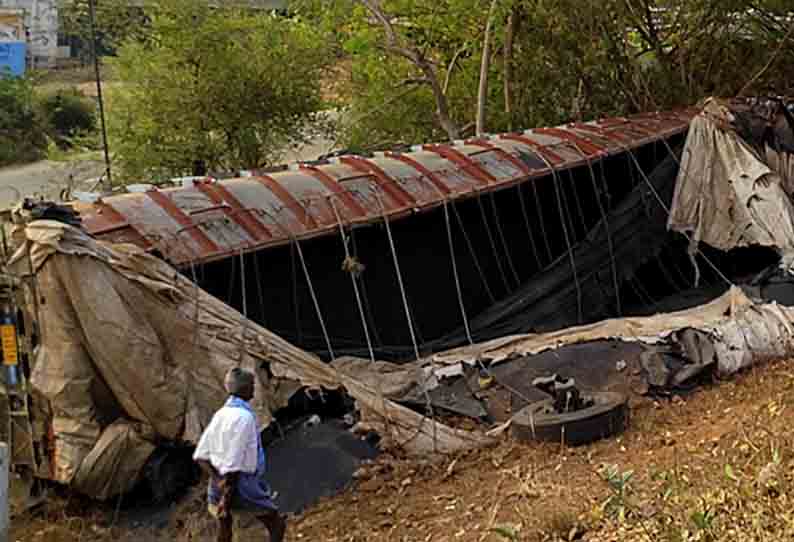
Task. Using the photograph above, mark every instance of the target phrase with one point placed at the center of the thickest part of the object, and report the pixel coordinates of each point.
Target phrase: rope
(605, 219)
(493, 244)
(400, 282)
(365, 297)
(525, 214)
(314, 300)
(313, 294)
(244, 294)
(473, 253)
(539, 210)
(260, 293)
(455, 275)
(667, 210)
(295, 305)
(233, 274)
(499, 230)
(429, 404)
(578, 286)
(354, 281)
(578, 202)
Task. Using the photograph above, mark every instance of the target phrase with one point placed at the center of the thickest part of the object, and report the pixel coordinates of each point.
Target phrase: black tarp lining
(511, 248)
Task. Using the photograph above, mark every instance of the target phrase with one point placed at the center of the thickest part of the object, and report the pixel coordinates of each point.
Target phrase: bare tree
(401, 46)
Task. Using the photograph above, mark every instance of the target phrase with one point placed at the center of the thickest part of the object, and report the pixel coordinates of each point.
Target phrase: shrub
(23, 136)
(67, 114)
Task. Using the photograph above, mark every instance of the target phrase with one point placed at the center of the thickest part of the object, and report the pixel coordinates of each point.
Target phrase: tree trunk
(507, 58)
(482, 95)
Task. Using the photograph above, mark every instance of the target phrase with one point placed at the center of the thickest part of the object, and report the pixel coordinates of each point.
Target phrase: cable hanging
(308, 278)
(605, 220)
(353, 280)
(556, 179)
(491, 241)
(525, 214)
(244, 294)
(473, 253)
(503, 240)
(578, 202)
(365, 297)
(295, 304)
(429, 404)
(667, 210)
(539, 210)
(455, 275)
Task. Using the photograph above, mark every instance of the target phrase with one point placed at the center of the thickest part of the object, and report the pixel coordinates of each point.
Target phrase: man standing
(230, 450)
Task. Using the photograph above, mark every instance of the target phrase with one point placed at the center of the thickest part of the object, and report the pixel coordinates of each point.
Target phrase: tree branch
(411, 53)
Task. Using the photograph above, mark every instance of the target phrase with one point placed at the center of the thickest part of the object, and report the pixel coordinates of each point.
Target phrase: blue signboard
(12, 57)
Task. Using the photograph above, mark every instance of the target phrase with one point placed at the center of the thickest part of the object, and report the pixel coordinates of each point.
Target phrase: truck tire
(539, 422)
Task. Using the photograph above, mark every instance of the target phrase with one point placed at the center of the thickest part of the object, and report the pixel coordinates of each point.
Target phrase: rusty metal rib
(333, 185)
(120, 223)
(219, 194)
(431, 176)
(522, 167)
(552, 157)
(585, 145)
(183, 220)
(287, 199)
(466, 164)
(613, 135)
(386, 183)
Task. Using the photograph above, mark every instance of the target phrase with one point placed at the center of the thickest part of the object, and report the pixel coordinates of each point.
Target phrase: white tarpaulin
(726, 195)
(130, 348)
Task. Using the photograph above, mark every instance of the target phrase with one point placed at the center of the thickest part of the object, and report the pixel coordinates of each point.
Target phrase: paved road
(45, 178)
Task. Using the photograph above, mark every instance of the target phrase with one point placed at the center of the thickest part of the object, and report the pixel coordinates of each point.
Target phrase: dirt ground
(715, 465)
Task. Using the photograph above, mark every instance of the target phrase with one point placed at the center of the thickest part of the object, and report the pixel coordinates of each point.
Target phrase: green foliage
(560, 59)
(22, 134)
(226, 87)
(619, 483)
(115, 21)
(68, 114)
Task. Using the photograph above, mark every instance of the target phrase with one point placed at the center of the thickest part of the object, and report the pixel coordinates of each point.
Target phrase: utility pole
(92, 17)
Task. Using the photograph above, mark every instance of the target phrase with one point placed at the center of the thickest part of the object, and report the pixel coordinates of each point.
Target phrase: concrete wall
(41, 29)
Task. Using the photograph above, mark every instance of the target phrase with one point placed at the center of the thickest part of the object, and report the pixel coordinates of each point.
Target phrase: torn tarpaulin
(126, 338)
(727, 194)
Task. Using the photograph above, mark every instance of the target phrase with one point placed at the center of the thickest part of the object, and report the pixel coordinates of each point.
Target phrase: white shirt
(230, 441)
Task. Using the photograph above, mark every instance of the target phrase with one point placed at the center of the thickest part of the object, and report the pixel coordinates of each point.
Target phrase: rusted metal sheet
(214, 219)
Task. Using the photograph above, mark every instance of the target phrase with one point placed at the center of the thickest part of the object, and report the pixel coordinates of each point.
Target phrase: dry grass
(716, 466)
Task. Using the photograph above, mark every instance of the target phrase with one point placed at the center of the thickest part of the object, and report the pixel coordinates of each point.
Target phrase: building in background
(38, 27)
(13, 49)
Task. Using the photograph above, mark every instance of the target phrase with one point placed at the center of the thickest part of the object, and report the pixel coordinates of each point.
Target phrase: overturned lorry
(611, 251)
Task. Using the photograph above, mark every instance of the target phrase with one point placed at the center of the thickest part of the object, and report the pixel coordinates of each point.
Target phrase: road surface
(45, 178)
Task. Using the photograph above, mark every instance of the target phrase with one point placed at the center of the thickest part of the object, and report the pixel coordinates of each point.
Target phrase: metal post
(92, 17)
(4, 463)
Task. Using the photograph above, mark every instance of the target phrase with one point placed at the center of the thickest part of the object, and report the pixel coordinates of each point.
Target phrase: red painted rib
(432, 177)
(331, 184)
(522, 167)
(389, 185)
(287, 199)
(118, 222)
(614, 135)
(466, 164)
(219, 194)
(587, 147)
(183, 220)
(553, 158)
